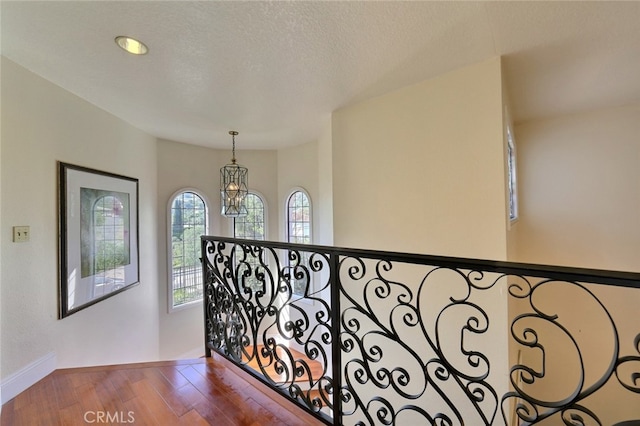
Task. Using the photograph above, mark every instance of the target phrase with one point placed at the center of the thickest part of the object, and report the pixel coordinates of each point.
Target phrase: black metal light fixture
(233, 185)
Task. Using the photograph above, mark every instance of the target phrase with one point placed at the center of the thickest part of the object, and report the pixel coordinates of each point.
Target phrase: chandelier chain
(233, 134)
(233, 149)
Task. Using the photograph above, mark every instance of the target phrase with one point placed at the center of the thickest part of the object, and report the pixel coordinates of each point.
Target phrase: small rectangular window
(511, 170)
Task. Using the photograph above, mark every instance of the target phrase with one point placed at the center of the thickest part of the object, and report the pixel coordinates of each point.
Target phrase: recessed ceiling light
(132, 45)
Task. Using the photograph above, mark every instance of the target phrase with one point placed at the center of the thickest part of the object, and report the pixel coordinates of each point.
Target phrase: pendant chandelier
(233, 185)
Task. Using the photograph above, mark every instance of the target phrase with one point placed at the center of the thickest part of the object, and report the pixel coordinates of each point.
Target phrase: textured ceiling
(275, 71)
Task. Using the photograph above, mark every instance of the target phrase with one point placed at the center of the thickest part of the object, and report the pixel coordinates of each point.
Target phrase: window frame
(286, 213)
(170, 305)
(265, 210)
(264, 218)
(512, 178)
(287, 227)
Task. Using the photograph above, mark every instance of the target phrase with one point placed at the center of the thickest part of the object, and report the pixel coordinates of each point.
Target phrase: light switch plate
(21, 234)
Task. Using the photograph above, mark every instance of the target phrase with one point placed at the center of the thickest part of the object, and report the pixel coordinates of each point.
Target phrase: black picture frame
(98, 236)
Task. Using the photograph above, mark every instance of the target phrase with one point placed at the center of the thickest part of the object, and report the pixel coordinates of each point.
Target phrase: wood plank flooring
(206, 391)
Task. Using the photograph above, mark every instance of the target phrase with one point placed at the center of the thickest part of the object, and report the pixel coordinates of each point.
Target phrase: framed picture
(98, 248)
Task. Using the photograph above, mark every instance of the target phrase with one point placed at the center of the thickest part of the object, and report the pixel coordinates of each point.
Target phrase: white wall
(579, 185)
(579, 199)
(421, 169)
(43, 124)
(309, 166)
(298, 168)
(325, 187)
(183, 166)
(263, 168)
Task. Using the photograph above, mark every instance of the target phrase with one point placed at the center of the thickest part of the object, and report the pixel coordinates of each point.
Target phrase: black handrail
(366, 337)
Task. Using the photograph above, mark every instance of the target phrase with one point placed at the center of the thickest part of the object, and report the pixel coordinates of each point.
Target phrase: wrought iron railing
(369, 337)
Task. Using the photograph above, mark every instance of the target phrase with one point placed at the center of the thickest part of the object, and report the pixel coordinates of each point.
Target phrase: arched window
(253, 225)
(299, 217)
(188, 220)
(299, 230)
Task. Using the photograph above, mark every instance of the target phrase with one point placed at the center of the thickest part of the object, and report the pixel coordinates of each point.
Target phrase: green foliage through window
(251, 226)
(188, 223)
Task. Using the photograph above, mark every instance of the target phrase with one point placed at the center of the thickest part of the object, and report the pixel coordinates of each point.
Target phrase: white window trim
(286, 212)
(512, 187)
(170, 307)
(286, 227)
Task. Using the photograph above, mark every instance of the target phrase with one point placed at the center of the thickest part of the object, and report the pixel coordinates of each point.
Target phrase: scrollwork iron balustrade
(368, 337)
(255, 316)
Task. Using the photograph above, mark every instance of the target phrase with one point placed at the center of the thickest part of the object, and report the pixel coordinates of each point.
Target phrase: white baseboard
(195, 353)
(27, 376)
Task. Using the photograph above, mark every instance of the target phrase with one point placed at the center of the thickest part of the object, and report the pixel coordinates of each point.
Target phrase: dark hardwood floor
(206, 391)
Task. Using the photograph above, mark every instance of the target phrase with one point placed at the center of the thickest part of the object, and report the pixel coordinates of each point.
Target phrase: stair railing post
(336, 351)
(203, 254)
